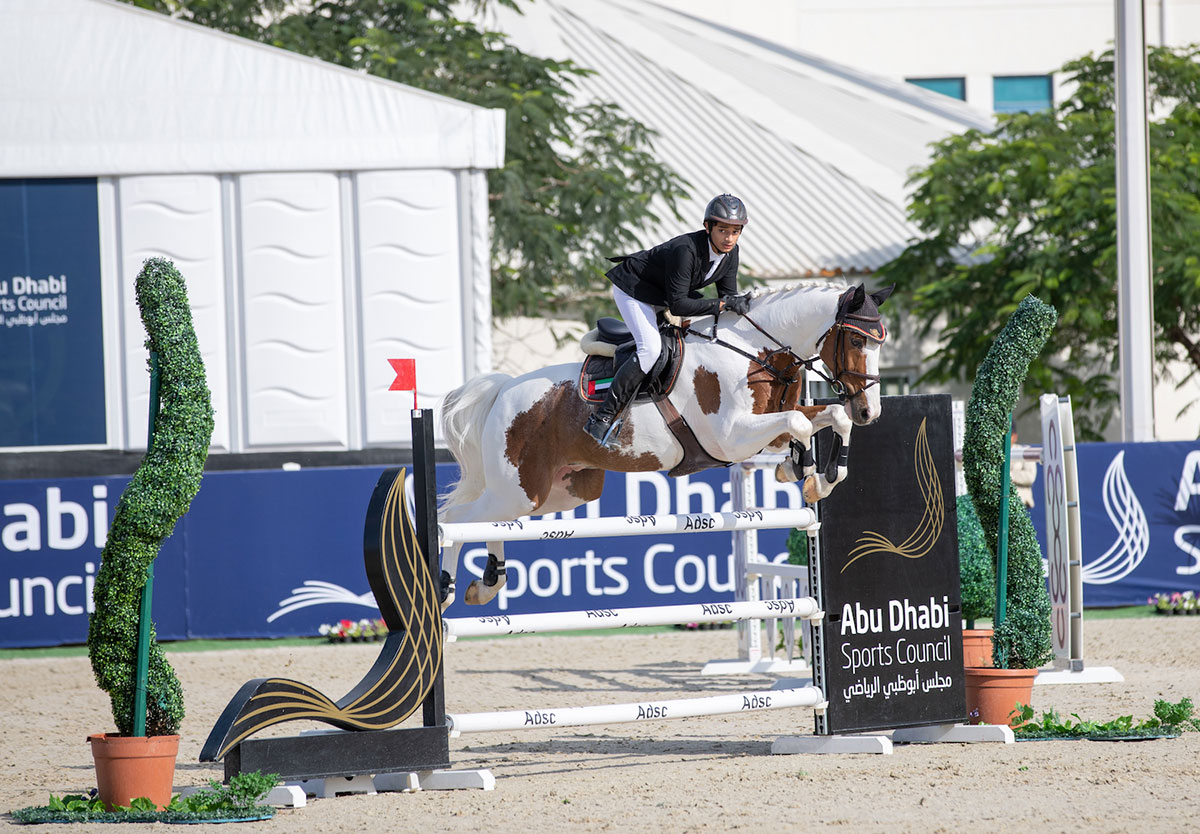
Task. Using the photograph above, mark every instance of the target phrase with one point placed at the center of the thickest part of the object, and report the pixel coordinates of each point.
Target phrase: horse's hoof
(448, 600)
(784, 473)
(811, 495)
(480, 594)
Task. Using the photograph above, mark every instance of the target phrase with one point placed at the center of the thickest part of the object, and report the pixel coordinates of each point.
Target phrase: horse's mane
(804, 284)
(761, 293)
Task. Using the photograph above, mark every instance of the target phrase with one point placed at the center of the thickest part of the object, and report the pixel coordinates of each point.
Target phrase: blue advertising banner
(1140, 518)
(273, 554)
(51, 352)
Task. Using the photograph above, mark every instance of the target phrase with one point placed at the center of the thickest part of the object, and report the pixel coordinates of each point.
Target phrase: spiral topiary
(161, 491)
(977, 581)
(1023, 640)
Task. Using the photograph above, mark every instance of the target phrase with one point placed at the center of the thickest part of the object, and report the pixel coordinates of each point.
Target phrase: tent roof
(101, 88)
(820, 152)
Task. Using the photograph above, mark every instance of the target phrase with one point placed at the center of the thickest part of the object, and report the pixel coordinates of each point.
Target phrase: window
(1022, 93)
(953, 87)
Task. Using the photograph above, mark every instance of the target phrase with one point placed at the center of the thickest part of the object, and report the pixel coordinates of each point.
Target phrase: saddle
(611, 345)
(608, 347)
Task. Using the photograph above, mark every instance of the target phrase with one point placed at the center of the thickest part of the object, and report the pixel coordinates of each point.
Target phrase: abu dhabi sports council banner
(51, 349)
(1140, 519)
(275, 553)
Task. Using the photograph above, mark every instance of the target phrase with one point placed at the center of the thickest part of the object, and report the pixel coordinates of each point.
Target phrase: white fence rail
(533, 719)
(632, 525)
(717, 612)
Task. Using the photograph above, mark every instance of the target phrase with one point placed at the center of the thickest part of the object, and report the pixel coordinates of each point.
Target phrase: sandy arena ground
(696, 774)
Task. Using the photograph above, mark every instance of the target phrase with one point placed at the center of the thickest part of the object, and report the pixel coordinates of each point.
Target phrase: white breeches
(643, 324)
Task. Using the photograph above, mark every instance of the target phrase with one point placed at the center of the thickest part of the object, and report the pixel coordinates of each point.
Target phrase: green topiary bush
(977, 580)
(1023, 640)
(797, 547)
(159, 494)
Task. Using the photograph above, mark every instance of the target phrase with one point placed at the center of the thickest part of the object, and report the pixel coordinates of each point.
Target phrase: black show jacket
(672, 274)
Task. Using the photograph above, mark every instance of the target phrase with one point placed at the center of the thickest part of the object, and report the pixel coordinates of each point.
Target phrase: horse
(522, 451)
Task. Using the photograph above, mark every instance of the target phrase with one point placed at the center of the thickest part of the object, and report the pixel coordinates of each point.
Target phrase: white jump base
(540, 719)
(632, 525)
(1089, 674)
(716, 612)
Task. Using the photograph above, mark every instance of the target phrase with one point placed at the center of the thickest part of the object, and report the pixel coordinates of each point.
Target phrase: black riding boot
(623, 388)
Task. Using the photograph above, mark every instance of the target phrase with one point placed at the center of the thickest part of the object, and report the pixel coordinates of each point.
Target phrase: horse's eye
(858, 342)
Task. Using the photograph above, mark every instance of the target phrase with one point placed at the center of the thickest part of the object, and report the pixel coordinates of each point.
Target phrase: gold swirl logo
(928, 530)
(408, 664)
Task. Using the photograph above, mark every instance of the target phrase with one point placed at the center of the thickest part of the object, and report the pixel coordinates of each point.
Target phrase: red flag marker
(406, 377)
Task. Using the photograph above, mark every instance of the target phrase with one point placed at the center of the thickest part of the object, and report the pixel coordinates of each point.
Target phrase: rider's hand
(739, 304)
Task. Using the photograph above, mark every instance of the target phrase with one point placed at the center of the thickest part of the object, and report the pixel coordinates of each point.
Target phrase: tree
(1030, 208)
(578, 178)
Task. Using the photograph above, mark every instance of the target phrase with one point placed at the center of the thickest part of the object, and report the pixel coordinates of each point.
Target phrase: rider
(669, 277)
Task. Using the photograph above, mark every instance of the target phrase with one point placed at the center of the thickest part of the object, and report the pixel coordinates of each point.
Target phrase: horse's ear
(860, 294)
(881, 295)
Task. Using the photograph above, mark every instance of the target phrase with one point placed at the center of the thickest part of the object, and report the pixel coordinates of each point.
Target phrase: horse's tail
(463, 414)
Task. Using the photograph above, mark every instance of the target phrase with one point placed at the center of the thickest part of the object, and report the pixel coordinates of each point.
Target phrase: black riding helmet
(725, 208)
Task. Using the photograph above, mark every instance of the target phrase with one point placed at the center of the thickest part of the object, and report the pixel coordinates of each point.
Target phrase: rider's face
(723, 236)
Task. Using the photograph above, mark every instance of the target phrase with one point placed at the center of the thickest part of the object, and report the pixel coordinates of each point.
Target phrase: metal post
(1135, 298)
(1002, 535)
(425, 524)
(745, 551)
(143, 645)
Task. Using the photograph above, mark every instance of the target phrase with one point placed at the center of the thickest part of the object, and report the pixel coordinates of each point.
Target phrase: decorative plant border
(161, 491)
(1023, 640)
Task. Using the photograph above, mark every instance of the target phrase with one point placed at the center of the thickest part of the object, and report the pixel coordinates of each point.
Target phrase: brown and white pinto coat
(521, 449)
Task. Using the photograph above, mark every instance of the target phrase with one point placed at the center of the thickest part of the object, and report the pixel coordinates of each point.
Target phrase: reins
(786, 377)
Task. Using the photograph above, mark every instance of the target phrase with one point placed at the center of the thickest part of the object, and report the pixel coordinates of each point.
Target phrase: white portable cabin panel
(410, 263)
(292, 311)
(178, 218)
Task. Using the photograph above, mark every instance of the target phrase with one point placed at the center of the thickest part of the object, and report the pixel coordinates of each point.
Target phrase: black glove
(739, 304)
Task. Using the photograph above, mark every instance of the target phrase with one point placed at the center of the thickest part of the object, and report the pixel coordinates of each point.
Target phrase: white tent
(325, 220)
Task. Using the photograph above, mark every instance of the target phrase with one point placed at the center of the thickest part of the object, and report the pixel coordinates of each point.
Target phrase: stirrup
(613, 428)
(597, 429)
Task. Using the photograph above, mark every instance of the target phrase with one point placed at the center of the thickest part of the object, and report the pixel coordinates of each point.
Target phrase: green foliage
(1168, 720)
(1029, 208)
(578, 176)
(236, 801)
(977, 580)
(161, 491)
(797, 547)
(242, 794)
(1023, 640)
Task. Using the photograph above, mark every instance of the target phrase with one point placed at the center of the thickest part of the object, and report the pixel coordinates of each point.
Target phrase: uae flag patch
(596, 386)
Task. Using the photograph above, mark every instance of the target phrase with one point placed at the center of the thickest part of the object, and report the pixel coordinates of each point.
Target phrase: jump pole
(804, 608)
(533, 719)
(633, 525)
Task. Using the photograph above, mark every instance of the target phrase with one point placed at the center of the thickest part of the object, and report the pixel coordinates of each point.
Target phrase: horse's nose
(864, 415)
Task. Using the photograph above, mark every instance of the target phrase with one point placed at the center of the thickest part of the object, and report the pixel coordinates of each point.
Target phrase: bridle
(787, 376)
(842, 329)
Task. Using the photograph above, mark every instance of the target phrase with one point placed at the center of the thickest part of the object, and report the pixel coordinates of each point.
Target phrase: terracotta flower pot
(129, 767)
(977, 647)
(993, 693)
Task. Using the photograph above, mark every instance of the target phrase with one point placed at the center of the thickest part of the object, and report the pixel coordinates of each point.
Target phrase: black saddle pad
(597, 372)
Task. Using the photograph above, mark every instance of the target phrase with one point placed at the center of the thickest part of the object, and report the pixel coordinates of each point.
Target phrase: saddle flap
(596, 374)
